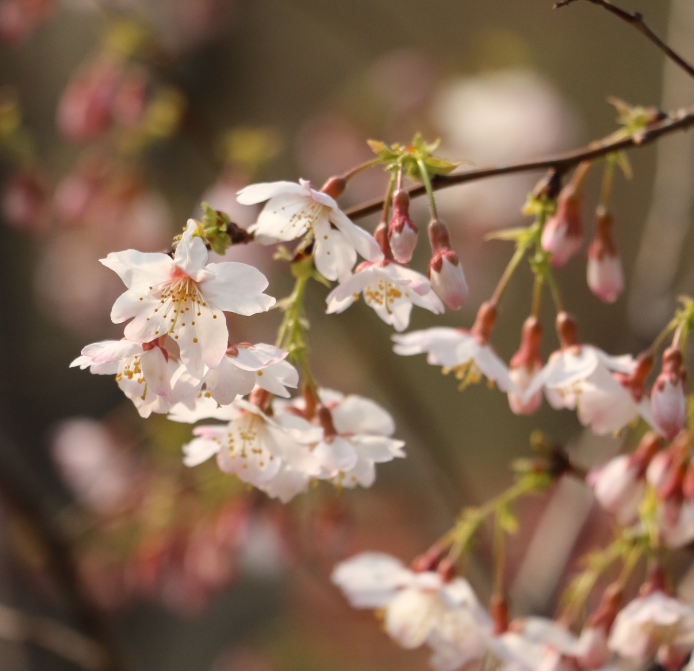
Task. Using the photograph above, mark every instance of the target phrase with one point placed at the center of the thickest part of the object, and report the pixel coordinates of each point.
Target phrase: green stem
(554, 289)
(355, 171)
(508, 272)
(607, 181)
(389, 197)
(537, 295)
(662, 336)
(427, 185)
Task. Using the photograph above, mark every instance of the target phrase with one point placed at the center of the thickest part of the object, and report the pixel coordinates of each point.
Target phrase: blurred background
(116, 120)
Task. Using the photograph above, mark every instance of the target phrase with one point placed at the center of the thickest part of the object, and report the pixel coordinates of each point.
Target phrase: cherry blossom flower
(418, 607)
(356, 436)
(256, 448)
(562, 235)
(604, 270)
(389, 288)
(467, 353)
(653, 624)
(185, 297)
(144, 371)
(620, 485)
(242, 368)
(293, 210)
(585, 378)
(524, 366)
(668, 398)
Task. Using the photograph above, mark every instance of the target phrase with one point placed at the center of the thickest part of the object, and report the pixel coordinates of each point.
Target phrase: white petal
(108, 351)
(358, 238)
(236, 287)
(333, 254)
(199, 450)
(227, 381)
(191, 254)
(139, 270)
(257, 193)
(356, 414)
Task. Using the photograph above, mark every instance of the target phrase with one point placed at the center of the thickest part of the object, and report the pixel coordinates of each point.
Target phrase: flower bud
(563, 232)
(402, 232)
(668, 398)
(604, 273)
(448, 279)
(525, 364)
(567, 330)
(592, 650)
(445, 270)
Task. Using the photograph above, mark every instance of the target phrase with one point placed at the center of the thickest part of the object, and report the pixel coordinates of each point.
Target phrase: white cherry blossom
(294, 210)
(619, 487)
(144, 371)
(389, 288)
(255, 447)
(458, 351)
(359, 439)
(185, 297)
(653, 624)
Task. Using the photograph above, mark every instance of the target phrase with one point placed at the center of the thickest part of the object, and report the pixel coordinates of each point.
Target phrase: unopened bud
(668, 398)
(525, 364)
(604, 272)
(403, 232)
(448, 279)
(567, 330)
(563, 233)
(334, 187)
(381, 237)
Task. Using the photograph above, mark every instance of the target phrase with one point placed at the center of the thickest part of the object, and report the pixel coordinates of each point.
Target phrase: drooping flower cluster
(282, 448)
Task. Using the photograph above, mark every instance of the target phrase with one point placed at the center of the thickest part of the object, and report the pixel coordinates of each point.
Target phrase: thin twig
(636, 20)
(560, 163)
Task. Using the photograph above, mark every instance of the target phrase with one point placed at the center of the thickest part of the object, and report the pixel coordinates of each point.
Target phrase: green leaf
(516, 234)
(622, 160)
(440, 166)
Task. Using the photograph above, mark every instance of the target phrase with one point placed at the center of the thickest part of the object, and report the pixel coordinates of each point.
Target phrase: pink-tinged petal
(624, 363)
(356, 414)
(140, 271)
(334, 456)
(360, 239)
(191, 253)
(429, 301)
(200, 450)
(131, 304)
(400, 275)
(333, 254)
(258, 193)
(378, 449)
(157, 371)
(351, 286)
(236, 287)
(258, 356)
(571, 367)
(203, 341)
(226, 382)
(248, 451)
(276, 377)
(285, 217)
(108, 351)
(494, 368)
(144, 330)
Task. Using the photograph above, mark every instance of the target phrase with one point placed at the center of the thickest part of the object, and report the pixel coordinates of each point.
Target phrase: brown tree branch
(636, 20)
(561, 163)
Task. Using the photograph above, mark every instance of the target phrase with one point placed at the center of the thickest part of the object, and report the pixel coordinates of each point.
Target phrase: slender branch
(680, 120)
(636, 20)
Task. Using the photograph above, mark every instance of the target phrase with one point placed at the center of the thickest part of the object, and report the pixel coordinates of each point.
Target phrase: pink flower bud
(448, 279)
(525, 364)
(563, 233)
(402, 232)
(668, 398)
(605, 275)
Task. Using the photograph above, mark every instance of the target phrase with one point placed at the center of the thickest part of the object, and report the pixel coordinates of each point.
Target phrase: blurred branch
(636, 20)
(21, 628)
(560, 163)
(24, 498)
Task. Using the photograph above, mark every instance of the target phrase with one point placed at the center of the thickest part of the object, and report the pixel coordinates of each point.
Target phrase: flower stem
(427, 185)
(389, 197)
(607, 181)
(508, 272)
(661, 337)
(290, 336)
(554, 289)
(537, 295)
(499, 554)
(355, 171)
